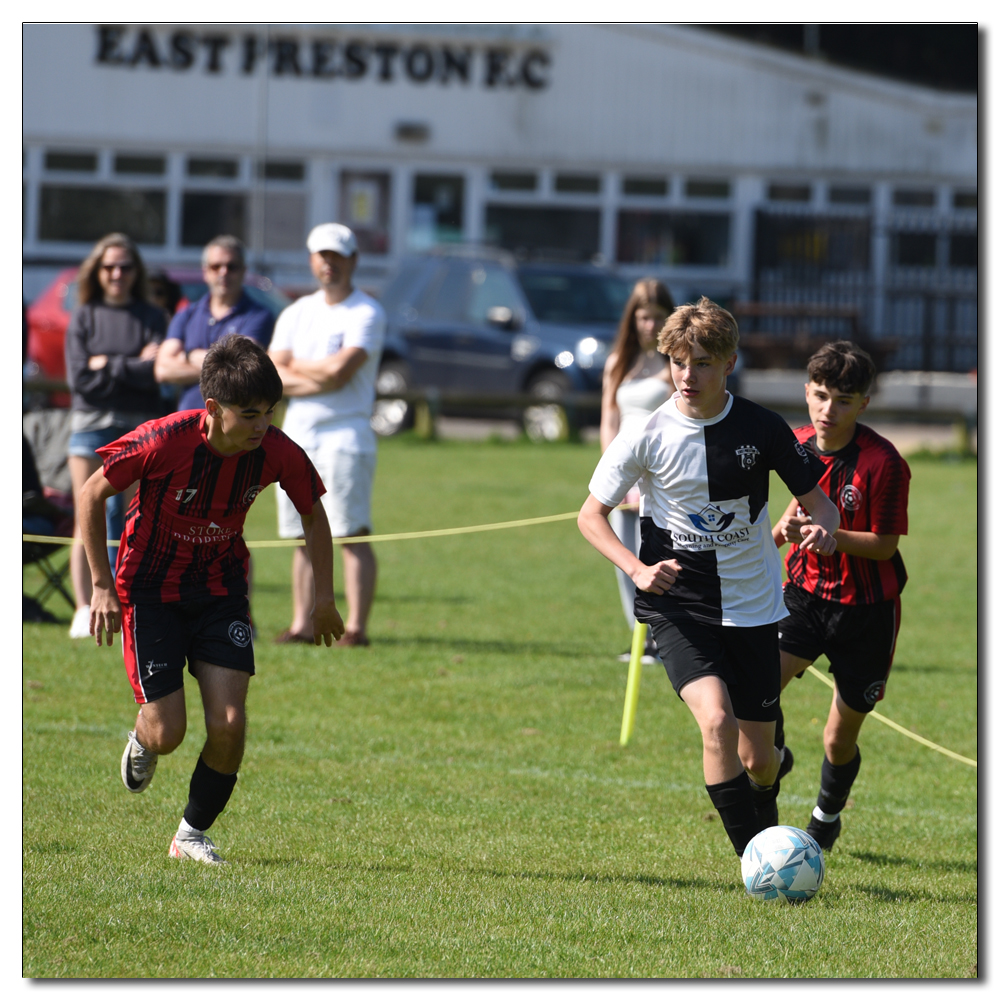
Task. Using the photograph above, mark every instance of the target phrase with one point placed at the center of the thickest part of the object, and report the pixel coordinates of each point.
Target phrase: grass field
(453, 801)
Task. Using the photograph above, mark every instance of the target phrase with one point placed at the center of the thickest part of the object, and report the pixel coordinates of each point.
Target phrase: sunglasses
(124, 268)
(219, 267)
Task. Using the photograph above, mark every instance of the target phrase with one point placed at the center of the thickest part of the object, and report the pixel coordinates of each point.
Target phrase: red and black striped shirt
(183, 534)
(869, 481)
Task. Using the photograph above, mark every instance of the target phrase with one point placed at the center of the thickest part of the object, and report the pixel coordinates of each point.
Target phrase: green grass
(453, 801)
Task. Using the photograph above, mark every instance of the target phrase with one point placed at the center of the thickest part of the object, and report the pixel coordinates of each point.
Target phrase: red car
(48, 317)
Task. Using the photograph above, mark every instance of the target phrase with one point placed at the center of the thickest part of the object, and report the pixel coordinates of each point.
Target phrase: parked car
(472, 321)
(48, 317)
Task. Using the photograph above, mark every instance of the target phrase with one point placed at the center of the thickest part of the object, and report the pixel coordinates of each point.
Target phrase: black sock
(765, 801)
(779, 730)
(734, 801)
(835, 783)
(208, 794)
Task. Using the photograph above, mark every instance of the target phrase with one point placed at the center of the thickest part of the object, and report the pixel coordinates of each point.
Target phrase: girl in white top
(636, 382)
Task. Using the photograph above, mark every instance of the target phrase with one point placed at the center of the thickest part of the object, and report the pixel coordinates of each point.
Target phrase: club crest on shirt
(748, 455)
(251, 495)
(712, 518)
(850, 497)
(240, 634)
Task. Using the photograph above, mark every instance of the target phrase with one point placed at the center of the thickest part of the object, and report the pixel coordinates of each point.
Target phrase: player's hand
(658, 578)
(791, 527)
(328, 626)
(818, 540)
(105, 614)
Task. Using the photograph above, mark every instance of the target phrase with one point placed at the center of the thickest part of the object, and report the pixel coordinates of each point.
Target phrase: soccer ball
(783, 863)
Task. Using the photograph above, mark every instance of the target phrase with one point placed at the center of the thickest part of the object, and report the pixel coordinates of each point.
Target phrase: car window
(448, 293)
(402, 288)
(492, 287)
(564, 297)
(271, 298)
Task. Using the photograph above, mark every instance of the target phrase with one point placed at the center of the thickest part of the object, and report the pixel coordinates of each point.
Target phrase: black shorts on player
(859, 640)
(746, 659)
(160, 639)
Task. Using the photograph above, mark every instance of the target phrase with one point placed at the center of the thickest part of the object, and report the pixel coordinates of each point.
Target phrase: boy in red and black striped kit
(845, 605)
(180, 594)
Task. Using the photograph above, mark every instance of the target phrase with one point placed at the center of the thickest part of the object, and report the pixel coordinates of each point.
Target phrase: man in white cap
(326, 347)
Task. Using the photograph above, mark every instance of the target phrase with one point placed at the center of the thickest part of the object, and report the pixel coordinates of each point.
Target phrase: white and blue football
(783, 863)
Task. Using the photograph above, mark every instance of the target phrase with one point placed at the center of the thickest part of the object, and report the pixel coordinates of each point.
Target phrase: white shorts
(348, 478)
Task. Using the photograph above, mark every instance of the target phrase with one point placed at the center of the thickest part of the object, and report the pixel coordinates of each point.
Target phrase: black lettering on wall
(455, 63)
(215, 44)
(322, 59)
(420, 64)
(108, 37)
(385, 55)
(496, 67)
(182, 45)
(356, 54)
(251, 49)
(286, 57)
(533, 69)
(145, 50)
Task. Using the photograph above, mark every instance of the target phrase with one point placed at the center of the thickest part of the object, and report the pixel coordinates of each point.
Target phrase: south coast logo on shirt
(850, 497)
(713, 524)
(711, 518)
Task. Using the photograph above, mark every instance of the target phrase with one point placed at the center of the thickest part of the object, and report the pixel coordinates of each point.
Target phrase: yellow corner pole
(632, 686)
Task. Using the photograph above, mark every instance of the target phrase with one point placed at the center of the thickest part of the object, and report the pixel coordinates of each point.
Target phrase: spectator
(226, 308)
(327, 348)
(163, 291)
(636, 382)
(112, 341)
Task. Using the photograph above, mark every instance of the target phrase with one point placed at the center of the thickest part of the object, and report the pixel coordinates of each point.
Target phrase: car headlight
(564, 359)
(591, 353)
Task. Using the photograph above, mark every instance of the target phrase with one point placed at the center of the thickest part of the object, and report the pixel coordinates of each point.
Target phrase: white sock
(824, 817)
(186, 831)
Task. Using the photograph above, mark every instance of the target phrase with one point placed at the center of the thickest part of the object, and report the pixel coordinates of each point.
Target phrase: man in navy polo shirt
(225, 309)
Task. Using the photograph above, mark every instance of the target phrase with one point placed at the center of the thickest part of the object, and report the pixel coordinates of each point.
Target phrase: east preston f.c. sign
(326, 58)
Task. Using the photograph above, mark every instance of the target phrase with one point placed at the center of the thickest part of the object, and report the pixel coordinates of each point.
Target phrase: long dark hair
(89, 287)
(647, 292)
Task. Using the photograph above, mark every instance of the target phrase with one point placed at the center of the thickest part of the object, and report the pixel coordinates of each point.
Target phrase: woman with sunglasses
(111, 346)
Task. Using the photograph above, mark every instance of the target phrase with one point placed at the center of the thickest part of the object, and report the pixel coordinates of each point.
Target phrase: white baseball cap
(332, 236)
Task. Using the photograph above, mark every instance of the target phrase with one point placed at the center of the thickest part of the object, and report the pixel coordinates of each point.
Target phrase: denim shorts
(84, 444)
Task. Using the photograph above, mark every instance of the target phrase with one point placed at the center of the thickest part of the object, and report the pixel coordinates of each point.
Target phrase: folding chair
(44, 557)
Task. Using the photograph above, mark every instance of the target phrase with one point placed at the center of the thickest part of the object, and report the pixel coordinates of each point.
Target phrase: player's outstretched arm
(824, 520)
(593, 524)
(105, 608)
(327, 623)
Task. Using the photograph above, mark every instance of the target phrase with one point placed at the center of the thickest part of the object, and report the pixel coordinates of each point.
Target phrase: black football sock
(733, 800)
(208, 794)
(835, 784)
(765, 801)
(779, 730)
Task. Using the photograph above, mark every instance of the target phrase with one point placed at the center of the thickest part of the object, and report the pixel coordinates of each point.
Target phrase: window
(695, 187)
(912, 198)
(564, 297)
(83, 214)
(507, 180)
(284, 223)
(671, 238)
(200, 167)
(850, 195)
(789, 192)
(566, 233)
(492, 287)
(438, 210)
(963, 250)
(79, 162)
(914, 249)
(965, 199)
(281, 170)
(791, 247)
(204, 215)
(364, 206)
(129, 163)
(648, 187)
(578, 183)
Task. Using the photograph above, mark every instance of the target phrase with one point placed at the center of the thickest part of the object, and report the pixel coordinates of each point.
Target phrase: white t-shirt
(311, 329)
(704, 486)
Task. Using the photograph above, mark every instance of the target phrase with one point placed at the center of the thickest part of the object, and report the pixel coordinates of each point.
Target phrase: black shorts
(745, 658)
(859, 640)
(158, 639)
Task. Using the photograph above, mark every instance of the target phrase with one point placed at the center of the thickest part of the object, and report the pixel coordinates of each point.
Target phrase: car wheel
(547, 420)
(390, 416)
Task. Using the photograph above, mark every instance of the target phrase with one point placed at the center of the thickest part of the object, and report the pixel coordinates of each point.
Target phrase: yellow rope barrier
(899, 729)
(398, 537)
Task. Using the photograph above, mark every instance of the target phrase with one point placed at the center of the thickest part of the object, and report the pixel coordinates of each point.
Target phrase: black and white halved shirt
(704, 486)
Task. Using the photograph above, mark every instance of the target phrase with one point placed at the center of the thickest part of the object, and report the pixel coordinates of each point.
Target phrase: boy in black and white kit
(708, 575)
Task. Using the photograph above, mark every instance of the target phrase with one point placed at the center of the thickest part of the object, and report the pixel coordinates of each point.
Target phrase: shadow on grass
(655, 880)
(902, 668)
(890, 860)
(488, 646)
(886, 895)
